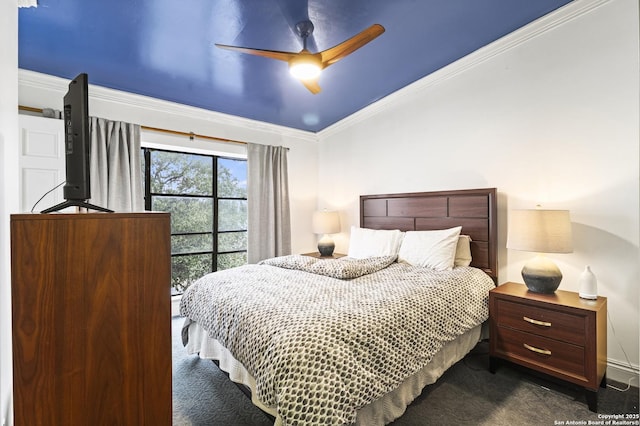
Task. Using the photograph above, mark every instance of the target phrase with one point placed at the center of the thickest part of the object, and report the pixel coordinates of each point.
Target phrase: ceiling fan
(306, 66)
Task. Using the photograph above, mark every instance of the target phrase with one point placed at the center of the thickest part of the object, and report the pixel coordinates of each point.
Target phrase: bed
(355, 340)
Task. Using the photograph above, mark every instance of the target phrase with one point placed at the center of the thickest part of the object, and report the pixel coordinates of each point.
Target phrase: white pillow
(463, 251)
(366, 242)
(430, 249)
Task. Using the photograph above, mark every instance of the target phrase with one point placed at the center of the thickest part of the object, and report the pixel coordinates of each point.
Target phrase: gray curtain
(116, 168)
(269, 222)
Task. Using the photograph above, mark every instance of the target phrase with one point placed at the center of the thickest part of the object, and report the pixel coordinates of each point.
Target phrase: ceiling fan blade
(334, 54)
(273, 54)
(312, 85)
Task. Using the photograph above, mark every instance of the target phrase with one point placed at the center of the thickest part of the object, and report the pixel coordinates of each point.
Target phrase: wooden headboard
(473, 209)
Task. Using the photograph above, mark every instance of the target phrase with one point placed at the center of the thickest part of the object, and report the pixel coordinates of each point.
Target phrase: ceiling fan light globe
(304, 70)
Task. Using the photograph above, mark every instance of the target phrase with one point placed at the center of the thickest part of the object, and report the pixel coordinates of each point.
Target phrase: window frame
(215, 205)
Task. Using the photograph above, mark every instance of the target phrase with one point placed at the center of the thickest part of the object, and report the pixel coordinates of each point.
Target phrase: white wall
(42, 91)
(548, 115)
(8, 188)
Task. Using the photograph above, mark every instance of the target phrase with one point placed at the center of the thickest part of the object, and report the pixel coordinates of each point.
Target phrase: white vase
(588, 284)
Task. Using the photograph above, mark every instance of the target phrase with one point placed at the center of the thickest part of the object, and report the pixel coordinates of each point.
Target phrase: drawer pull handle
(536, 322)
(537, 350)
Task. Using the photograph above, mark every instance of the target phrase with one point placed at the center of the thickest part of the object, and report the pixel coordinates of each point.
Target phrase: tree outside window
(207, 198)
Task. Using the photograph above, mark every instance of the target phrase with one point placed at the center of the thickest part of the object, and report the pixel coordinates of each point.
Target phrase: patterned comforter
(320, 347)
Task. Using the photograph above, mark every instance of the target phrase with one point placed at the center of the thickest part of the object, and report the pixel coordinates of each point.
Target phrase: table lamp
(325, 223)
(540, 231)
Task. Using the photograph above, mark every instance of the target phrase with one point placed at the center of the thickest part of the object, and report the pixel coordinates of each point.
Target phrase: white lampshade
(540, 231)
(326, 222)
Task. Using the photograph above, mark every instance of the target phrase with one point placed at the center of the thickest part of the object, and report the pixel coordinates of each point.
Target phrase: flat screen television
(77, 188)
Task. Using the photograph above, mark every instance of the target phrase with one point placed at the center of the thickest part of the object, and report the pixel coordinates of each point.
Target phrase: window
(207, 198)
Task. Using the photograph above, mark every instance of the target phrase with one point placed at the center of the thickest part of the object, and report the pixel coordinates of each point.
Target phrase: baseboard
(622, 373)
(175, 305)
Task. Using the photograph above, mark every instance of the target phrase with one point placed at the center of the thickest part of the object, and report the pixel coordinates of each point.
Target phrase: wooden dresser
(91, 319)
(558, 334)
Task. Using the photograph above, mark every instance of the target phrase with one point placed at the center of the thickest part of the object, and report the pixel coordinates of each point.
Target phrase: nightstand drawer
(543, 353)
(545, 322)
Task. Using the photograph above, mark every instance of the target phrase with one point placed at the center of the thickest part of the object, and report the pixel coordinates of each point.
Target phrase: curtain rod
(190, 135)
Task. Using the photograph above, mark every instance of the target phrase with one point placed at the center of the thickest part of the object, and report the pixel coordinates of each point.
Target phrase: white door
(41, 163)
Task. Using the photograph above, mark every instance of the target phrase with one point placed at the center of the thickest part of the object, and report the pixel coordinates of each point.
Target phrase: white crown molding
(48, 82)
(27, 3)
(540, 26)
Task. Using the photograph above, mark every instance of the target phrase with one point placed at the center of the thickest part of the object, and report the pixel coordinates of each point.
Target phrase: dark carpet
(467, 394)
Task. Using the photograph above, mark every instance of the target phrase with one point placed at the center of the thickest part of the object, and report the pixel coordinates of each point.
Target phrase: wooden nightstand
(317, 255)
(558, 334)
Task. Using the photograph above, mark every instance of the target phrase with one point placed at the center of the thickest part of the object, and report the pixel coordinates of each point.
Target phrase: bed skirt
(380, 412)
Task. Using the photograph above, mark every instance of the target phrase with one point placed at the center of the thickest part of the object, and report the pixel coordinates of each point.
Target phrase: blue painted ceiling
(165, 48)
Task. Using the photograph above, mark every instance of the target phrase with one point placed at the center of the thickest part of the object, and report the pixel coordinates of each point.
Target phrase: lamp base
(541, 275)
(326, 246)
